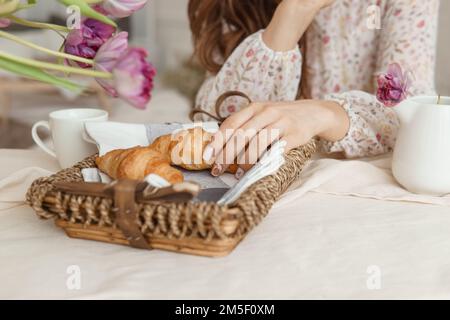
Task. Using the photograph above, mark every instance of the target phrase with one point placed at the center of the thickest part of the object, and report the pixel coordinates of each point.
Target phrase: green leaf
(87, 11)
(20, 6)
(8, 6)
(24, 6)
(37, 74)
(38, 25)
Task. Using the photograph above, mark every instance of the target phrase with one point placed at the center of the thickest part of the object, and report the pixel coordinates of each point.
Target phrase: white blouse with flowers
(344, 57)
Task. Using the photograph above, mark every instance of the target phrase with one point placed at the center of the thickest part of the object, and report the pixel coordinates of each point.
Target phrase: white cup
(68, 134)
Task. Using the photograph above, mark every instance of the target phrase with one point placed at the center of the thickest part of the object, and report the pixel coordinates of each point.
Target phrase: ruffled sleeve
(256, 70)
(408, 37)
(373, 127)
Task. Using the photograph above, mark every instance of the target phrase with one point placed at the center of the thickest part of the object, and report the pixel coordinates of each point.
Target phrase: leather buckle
(127, 215)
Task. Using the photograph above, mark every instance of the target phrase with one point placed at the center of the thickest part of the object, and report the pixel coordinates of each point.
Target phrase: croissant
(136, 163)
(185, 149)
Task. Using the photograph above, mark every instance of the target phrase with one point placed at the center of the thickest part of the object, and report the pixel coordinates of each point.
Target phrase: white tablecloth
(318, 246)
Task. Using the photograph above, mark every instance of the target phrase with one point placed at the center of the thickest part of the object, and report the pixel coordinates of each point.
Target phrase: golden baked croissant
(136, 163)
(185, 149)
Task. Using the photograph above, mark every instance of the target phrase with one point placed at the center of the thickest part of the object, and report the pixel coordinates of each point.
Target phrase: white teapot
(421, 161)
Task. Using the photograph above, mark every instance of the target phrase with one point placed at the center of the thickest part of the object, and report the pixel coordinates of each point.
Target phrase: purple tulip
(86, 41)
(121, 8)
(393, 86)
(4, 22)
(107, 57)
(132, 74)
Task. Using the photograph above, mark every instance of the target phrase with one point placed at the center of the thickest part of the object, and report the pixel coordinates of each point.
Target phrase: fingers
(230, 151)
(293, 142)
(239, 140)
(257, 147)
(226, 130)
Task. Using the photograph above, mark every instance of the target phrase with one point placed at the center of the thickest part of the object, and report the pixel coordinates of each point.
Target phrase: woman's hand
(247, 134)
(290, 21)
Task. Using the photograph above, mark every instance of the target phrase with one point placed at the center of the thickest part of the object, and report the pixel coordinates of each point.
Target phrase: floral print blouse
(344, 55)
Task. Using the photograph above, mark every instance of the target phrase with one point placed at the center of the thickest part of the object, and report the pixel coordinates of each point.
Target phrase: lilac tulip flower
(107, 57)
(121, 8)
(393, 86)
(132, 73)
(4, 22)
(86, 41)
(133, 76)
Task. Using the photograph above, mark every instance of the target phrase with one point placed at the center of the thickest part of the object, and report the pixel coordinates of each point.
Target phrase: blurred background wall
(162, 27)
(443, 57)
(171, 37)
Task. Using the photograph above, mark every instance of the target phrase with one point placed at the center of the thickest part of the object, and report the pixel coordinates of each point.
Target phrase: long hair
(219, 26)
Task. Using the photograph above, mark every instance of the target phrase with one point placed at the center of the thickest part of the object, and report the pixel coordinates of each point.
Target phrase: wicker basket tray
(120, 214)
(198, 228)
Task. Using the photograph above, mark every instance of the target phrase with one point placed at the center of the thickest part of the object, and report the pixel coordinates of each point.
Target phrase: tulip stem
(56, 67)
(439, 99)
(38, 25)
(11, 37)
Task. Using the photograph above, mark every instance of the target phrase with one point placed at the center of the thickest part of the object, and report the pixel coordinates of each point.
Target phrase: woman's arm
(255, 69)
(408, 37)
(246, 135)
(267, 65)
(354, 123)
(290, 22)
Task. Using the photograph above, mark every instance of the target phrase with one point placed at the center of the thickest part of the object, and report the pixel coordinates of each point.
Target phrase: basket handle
(127, 213)
(220, 100)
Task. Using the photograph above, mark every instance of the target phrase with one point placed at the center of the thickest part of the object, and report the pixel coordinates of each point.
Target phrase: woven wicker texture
(171, 220)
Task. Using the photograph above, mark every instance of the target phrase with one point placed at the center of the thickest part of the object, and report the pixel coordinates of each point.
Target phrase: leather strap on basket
(127, 214)
(220, 100)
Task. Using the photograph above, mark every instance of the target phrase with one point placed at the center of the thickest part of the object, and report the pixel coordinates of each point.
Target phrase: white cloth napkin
(116, 135)
(367, 178)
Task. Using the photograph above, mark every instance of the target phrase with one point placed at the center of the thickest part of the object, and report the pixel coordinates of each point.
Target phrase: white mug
(68, 134)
